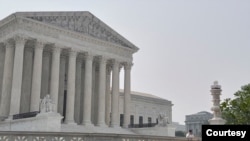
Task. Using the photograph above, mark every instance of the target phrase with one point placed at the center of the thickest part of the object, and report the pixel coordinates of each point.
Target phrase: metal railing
(145, 125)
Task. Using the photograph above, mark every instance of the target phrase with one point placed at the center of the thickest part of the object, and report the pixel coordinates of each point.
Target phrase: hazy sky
(185, 45)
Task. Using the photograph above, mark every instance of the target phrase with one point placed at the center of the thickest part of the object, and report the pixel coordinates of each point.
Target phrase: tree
(180, 134)
(237, 110)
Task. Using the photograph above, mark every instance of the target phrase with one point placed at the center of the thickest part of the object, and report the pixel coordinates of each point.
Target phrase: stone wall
(50, 136)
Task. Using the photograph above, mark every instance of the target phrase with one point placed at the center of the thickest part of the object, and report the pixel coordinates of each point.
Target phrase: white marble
(54, 82)
(17, 76)
(46, 122)
(216, 92)
(46, 69)
(78, 101)
(156, 131)
(87, 91)
(7, 80)
(147, 106)
(108, 96)
(2, 58)
(115, 95)
(127, 97)
(36, 77)
(101, 92)
(81, 92)
(71, 88)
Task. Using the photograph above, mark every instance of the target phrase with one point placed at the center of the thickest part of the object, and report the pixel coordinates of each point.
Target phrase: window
(140, 121)
(149, 122)
(121, 119)
(132, 120)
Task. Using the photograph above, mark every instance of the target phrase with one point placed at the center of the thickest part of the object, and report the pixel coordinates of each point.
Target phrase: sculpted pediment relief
(85, 23)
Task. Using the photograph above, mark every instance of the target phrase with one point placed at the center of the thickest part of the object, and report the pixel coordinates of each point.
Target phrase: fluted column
(71, 88)
(108, 95)
(17, 76)
(54, 82)
(36, 77)
(87, 91)
(115, 95)
(127, 91)
(7, 80)
(101, 92)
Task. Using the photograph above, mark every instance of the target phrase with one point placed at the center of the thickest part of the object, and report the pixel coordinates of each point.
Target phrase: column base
(70, 122)
(101, 125)
(125, 126)
(88, 124)
(115, 126)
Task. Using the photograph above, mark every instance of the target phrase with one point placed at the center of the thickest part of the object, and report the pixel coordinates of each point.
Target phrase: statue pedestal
(42, 122)
(216, 121)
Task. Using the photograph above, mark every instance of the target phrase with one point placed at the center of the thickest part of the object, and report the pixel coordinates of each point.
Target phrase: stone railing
(62, 136)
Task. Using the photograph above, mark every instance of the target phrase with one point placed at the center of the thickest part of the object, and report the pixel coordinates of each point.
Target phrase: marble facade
(76, 59)
(72, 56)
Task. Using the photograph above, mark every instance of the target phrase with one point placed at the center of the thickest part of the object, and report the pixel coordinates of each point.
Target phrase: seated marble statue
(162, 120)
(46, 104)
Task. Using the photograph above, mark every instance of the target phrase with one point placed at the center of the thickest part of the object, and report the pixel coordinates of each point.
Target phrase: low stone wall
(42, 122)
(62, 136)
(156, 131)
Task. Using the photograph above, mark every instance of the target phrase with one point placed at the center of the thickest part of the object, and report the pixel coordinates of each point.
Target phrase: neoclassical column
(78, 90)
(87, 91)
(7, 80)
(115, 95)
(36, 77)
(101, 92)
(17, 76)
(127, 91)
(108, 95)
(71, 88)
(54, 82)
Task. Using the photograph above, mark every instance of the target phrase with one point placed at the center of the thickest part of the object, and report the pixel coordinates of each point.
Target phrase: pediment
(81, 22)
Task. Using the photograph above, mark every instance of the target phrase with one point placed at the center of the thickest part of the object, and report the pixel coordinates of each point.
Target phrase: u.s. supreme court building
(76, 59)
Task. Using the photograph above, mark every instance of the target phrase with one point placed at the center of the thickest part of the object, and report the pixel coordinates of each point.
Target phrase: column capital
(20, 39)
(72, 53)
(88, 56)
(56, 49)
(115, 62)
(128, 65)
(102, 59)
(9, 43)
(109, 68)
(39, 45)
(80, 57)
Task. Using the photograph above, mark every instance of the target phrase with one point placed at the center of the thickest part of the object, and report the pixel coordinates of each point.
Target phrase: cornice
(7, 19)
(151, 100)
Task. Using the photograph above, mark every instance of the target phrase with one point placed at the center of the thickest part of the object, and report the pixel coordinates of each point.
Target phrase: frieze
(82, 24)
(50, 32)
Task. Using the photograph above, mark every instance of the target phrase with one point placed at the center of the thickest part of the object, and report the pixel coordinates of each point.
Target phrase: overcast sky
(185, 45)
